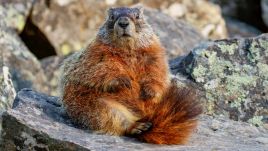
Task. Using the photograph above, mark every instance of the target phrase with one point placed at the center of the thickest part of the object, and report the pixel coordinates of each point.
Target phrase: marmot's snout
(123, 22)
(124, 27)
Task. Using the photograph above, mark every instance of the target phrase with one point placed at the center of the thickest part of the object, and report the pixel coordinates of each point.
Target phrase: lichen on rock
(16, 13)
(233, 75)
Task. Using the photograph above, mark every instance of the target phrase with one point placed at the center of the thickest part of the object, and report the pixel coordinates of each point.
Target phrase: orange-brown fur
(115, 90)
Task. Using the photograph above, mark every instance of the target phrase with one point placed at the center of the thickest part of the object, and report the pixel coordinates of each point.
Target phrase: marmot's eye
(137, 16)
(111, 17)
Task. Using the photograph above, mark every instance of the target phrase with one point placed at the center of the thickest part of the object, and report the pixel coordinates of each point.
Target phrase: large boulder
(71, 25)
(25, 69)
(233, 76)
(38, 122)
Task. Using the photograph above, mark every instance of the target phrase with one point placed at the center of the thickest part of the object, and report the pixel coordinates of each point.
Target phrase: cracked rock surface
(38, 122)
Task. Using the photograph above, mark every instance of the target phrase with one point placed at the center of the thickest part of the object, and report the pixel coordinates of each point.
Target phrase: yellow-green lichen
(210, 106)
(263, 70)
(65, 49)
(15, 19)
(264, 44)
(230, 49)
(256, 120)
(233, 83)
(235, 86)
(254, 54)
(237, 103)
(211, 55)
(248, 69)
(199, 72)
(218, 67)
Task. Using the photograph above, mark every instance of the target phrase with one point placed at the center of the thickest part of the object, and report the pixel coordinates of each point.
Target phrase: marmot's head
(126, 27)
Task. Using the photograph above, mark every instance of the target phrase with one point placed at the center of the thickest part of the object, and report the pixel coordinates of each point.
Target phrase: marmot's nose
(123, 22)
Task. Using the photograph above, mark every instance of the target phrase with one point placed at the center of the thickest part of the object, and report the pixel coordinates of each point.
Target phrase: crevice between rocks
(36, 40)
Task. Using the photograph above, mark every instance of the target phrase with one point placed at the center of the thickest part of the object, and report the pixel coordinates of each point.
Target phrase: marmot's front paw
(138, 128)
(116, 84)
(147, 93)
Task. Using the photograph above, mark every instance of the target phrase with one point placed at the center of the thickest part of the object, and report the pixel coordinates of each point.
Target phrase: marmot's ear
(139, 7)
(110, 10)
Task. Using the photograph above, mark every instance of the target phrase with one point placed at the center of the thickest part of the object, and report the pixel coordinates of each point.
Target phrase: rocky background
(219, 47)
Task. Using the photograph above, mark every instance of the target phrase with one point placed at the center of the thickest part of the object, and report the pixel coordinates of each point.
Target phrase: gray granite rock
(233, 76)
(25, 69)
(37, 122)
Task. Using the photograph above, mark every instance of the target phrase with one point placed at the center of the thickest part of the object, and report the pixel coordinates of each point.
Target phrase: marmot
(120, 84)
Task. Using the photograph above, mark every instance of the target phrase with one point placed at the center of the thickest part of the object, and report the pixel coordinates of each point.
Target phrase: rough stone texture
(177, 37)
(38, 122)
(71, 25)
(238, 29)
(23, 65)
(264, 6)
(202, 14)
(7, 91)
(233, 76)
(15, 12)
(51, 66)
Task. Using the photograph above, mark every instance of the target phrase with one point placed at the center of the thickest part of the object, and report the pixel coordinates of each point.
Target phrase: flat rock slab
(38, 122)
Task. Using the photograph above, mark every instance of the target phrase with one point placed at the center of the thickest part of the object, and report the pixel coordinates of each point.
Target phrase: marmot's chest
(139, 64)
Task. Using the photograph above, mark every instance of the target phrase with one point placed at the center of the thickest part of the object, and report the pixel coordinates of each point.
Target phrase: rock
(16, 13)
(7, 91)
(263, 140)
(204, 16)
(72, 25)
(37, 122)
(264, 8)
(51, 66)
(233, 76)
(23, 65)
(177, 37)
(249, 11)
(238, 29)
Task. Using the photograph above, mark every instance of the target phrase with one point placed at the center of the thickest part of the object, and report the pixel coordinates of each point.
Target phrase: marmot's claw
(139, 128)
(117, 84)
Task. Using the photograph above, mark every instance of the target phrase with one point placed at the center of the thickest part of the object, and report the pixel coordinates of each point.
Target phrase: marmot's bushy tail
(174, 119)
